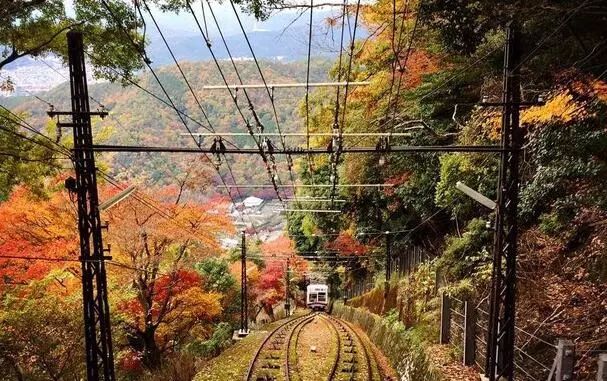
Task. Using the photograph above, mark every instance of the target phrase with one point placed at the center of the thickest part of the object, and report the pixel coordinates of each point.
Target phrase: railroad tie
(265, 377)
(270, 365)
(349, 368)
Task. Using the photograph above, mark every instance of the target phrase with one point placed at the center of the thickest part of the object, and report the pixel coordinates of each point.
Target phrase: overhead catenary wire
(172, 104)
(179, 68)
(396, 48)
(333, 161)
(233, 96)
(341, 127)
(194, 96)
(307, 96)
(270, 95)
(403, 66)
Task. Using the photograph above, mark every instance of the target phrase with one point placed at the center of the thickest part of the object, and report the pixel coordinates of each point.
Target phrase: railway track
(276, 357)
(271, 361)
(352, 360)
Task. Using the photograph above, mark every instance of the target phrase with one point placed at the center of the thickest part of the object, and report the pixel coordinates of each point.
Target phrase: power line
(346, 91)
(547, 37)
(172, 104)
(307, 100)
(256, 118)
(270, 96)
(403, 67)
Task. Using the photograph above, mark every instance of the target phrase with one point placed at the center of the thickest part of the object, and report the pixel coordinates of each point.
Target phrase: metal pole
(388, 254)
(244, 319)
(97, 330)
(287, 304)
(500, 344)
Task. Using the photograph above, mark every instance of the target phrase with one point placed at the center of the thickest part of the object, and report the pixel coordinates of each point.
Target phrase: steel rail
(365, 349)
(301, 326)
(288, 323)
(352, 333)
(337, 353)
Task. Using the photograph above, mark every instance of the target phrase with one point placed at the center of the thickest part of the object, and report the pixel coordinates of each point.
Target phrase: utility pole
(388, 257)
(97, 330)
(244, 306)
(500, 344)
(287, 303)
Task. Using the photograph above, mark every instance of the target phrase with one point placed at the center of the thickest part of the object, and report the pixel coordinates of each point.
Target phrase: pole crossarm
(302, 151)
(308, 210)
(244, 186)
(285, 85)
(302, 134)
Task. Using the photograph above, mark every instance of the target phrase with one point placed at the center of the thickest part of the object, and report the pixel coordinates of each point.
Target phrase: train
(317, 297)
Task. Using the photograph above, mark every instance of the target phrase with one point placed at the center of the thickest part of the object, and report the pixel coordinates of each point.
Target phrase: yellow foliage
(560, 107)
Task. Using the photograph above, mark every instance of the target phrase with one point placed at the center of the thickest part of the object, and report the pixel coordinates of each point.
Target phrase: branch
(16, 55)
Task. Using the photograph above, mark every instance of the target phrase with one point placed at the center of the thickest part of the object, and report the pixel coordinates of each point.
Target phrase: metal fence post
(602, 372)
(469, 333)
(445, 319)
(565, 360)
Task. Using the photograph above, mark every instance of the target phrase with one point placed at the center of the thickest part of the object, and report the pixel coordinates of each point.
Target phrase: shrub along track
(266, 364)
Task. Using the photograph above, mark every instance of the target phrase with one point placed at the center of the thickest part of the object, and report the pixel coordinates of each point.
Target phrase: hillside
(138, 118)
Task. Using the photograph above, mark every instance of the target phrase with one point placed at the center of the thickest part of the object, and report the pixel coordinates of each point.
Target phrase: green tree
(23, 161)
(38, 28)
(216, 274)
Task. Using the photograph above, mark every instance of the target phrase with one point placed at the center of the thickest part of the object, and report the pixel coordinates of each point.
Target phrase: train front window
(312, 298)
(322, 297)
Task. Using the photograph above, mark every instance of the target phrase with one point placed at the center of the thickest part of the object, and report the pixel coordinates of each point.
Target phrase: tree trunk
(151, 352)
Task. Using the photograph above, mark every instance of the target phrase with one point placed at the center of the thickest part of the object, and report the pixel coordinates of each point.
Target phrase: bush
(181, 367)
(402, 346)
(221, 339)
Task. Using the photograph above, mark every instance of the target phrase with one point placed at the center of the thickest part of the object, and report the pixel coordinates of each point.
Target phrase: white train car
(317, 297)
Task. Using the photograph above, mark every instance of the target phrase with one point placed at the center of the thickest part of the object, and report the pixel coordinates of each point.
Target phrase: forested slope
(137, 118)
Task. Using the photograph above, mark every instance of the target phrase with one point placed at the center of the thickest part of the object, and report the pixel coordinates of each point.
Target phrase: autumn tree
(42, 334)
(39, 228)
(154, 253)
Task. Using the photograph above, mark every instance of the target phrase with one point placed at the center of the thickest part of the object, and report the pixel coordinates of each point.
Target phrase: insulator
(217, 160)
(382, 160)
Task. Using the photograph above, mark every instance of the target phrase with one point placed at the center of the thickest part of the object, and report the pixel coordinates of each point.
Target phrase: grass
(233, 363)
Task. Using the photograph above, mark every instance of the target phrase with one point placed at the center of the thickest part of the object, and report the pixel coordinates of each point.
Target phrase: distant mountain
(283, 37)
(136, 118)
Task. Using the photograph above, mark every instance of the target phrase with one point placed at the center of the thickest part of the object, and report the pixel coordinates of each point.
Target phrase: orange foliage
(40, 228)
(281, 245)
(347, 245)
